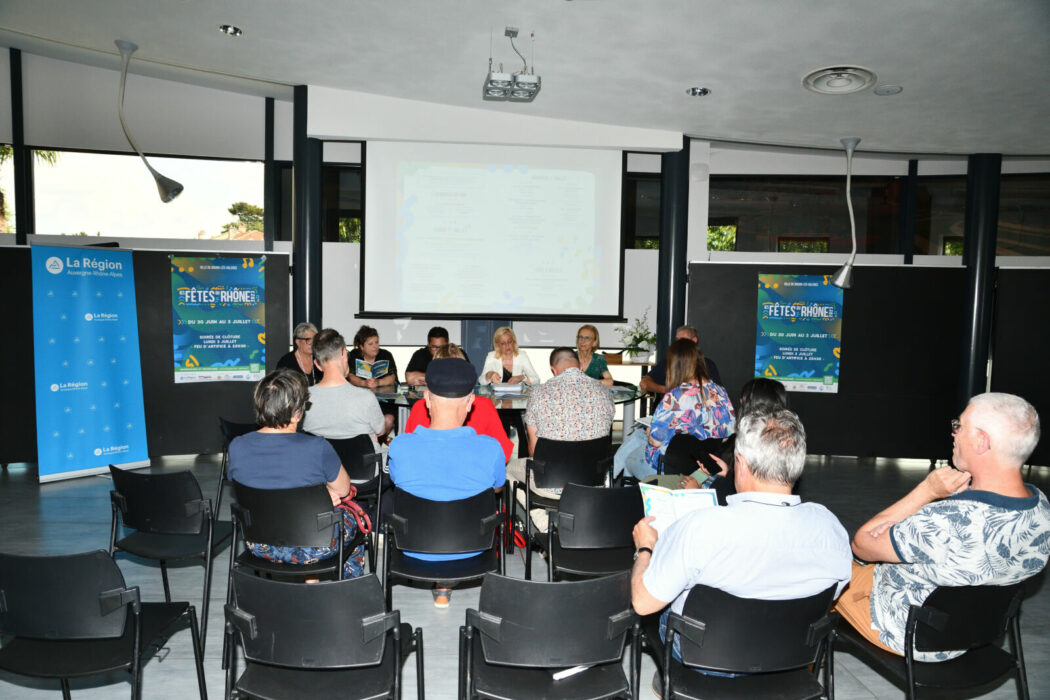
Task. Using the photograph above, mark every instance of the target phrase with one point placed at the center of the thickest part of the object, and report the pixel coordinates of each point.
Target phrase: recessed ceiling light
(839, 80)
(884, 90)
(230, 30)
(697, 91)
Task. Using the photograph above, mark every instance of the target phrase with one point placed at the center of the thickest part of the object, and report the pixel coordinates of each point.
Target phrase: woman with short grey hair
(301, 358)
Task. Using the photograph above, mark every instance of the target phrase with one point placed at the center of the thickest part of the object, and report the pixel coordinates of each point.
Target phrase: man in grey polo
(765, 543)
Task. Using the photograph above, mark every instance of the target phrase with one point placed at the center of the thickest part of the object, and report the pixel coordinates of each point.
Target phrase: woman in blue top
(278, 457)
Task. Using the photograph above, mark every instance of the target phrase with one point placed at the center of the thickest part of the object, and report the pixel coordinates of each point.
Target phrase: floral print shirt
(974, 538)
(703, 412)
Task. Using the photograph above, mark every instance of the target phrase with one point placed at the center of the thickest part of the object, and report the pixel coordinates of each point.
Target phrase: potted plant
(638, 341)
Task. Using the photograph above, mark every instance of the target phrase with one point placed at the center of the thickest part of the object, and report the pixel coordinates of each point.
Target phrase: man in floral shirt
(977, 524)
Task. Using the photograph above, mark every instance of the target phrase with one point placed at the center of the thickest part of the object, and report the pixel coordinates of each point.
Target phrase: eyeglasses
(305, 340)
(585, 337)
(958, 425)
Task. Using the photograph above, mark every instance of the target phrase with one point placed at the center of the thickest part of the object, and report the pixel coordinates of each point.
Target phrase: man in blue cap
(447, 461)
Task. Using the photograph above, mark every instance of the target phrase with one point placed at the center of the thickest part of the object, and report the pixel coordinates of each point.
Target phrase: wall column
(24, 215)
(674, 229)
(981, 227)
(306, 232)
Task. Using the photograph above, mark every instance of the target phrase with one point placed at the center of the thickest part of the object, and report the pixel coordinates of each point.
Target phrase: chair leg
(229, 660)
(207, 586)
(1022, 673)
(164, 578)
(222, 480)
(65, 689)
(198, 654)
(420, 686)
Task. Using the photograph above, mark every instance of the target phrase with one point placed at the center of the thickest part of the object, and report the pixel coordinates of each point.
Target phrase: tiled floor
(74, 516)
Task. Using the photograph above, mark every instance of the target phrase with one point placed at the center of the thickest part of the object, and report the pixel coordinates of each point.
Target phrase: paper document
(371, 370)
(509, 388)
(667, 505)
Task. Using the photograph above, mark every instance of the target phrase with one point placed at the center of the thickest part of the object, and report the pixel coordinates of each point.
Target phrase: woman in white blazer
(506, 365)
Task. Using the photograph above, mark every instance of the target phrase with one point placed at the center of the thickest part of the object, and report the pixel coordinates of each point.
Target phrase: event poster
(799, 335)
(88, 379)
(218, 318)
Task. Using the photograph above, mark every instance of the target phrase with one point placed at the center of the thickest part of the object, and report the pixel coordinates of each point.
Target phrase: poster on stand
(88, 378)
(799, 334)
(218, 318)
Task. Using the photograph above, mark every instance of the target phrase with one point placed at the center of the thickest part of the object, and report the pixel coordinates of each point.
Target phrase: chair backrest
(556, 463)
(358, 457)
(332, 624)
(754, 636)
(443, 527)
(298, 517)
(963, 617)
(60, 597)
(553, 625)
(230, 430)
(594, 517)
(159, 503)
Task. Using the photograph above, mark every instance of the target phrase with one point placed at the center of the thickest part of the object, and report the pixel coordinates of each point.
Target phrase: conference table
(407, 395)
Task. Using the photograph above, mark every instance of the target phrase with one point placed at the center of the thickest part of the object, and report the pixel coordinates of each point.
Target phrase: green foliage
(952, 245)
(248, 215)
(802, 245)
(349, 230)
(647, 243)
(721, 237)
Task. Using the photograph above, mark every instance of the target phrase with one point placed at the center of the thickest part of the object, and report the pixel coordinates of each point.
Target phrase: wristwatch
(642, 549)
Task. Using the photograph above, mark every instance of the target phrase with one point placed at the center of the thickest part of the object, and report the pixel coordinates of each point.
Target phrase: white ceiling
(974, 72)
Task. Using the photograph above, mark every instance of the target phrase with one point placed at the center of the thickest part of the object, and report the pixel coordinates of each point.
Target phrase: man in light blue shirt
(765, 543)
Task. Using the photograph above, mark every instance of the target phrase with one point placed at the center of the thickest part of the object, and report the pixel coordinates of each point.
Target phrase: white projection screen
(457, 230)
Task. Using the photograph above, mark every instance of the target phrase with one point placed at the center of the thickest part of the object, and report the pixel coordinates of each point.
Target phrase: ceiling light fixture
(522, 86)
(843, 277)
(885, 90)
(230, 30)
(168, 188)
(839, 80)
(698, 92)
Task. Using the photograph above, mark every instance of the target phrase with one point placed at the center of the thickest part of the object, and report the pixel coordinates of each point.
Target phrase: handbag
(364, 523)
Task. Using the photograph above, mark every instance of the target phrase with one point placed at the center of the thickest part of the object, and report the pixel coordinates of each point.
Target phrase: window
(1024, 215)
(341, 203)
(7, 190)
(721, 234)
(641, 210)
(940, 212)
(100, 194)
(803, 244)
(806, 213)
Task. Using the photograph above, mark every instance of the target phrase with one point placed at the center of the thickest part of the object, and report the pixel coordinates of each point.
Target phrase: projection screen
(456, 230)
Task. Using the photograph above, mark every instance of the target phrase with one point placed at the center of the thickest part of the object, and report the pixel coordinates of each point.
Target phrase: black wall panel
(1019, 343)
(180, 419)
(18, 423)
(901, 338)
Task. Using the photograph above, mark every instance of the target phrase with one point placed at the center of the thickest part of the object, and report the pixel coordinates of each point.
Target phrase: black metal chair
(296, 517)
(555, 464)
(591, 532)
(171, 520)
(524, 631)
(365, 468)
(327, 640)
(780, 644)
(970, 618)
(74, 616)
(230, 430)
(416, 524)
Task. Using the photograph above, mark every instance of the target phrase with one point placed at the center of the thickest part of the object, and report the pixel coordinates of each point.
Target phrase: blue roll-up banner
(89, 410)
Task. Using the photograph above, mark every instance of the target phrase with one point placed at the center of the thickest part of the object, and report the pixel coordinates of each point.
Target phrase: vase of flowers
(638, 341)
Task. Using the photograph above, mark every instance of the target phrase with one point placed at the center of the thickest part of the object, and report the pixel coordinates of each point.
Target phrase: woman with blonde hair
(506, 365)
(592, 363)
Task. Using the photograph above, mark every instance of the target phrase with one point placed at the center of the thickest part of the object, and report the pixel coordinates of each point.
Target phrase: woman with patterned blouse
(695, 405)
